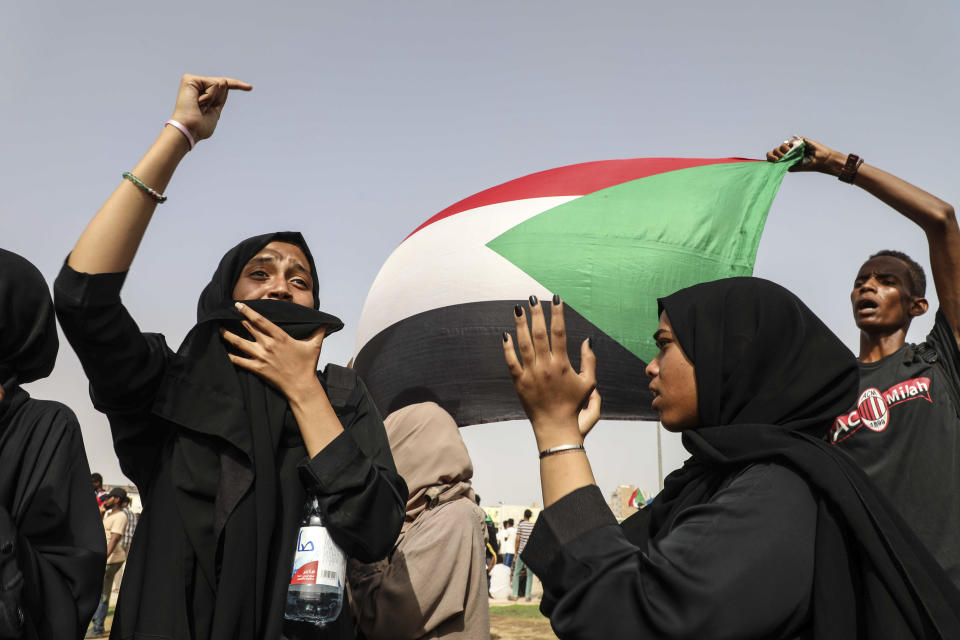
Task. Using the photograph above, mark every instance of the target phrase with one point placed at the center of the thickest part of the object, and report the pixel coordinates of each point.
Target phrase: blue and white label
(318, 559)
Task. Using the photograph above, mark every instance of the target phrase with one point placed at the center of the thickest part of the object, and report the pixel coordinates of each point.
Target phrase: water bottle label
(318, 559)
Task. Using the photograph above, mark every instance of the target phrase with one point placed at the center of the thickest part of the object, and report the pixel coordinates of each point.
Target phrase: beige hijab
(435, 584)
(431, 457)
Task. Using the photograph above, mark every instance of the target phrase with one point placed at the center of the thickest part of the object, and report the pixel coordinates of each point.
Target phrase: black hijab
(232, 424)
(770, 379)
(46, 506)
(28, 329)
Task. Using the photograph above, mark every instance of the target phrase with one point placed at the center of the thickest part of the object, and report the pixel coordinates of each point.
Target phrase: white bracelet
(560, 449)
(182, 129)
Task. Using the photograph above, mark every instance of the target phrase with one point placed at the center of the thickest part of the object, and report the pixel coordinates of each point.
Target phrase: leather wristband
(849, 172)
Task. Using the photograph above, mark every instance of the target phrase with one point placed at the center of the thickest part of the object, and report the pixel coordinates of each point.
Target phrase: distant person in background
(51, 543)
(115, 528)
(509, 547)
(492, 545)
(502, 542)
(434, 584)
(491, 530)
(131, 524)
(97, 481)
(491, 559)
(523, 534)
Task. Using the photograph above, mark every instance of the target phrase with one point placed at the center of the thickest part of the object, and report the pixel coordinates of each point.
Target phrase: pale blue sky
(367, 118)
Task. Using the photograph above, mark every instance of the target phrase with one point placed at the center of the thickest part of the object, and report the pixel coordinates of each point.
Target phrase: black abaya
(52, 547)
(220, 462)
(769, 374)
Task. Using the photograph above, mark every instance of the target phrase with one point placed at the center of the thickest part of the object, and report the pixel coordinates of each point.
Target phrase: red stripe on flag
(575, 180)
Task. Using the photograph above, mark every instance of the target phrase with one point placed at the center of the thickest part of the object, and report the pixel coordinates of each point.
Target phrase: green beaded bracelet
(153, 193)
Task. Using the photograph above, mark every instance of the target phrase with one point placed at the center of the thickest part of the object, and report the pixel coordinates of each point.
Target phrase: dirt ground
(503, 628)
(506, 623)
(519, 623)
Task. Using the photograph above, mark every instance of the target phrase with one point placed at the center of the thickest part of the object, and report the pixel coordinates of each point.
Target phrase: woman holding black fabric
(225, 437)
(766, 531)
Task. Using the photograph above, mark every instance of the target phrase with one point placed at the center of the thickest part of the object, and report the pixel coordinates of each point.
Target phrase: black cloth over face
(52, 548)
(166, 592)
(769, 376)
(232, 422)
(28, 326)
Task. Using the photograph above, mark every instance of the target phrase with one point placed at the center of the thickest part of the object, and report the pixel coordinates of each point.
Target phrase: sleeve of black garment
(59, 546)
(738, 566)
(124, 366)
(361, 495)
(11, 581)
(943, 340)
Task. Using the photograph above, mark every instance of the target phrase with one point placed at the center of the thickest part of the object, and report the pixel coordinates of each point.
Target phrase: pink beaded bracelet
(182, 129)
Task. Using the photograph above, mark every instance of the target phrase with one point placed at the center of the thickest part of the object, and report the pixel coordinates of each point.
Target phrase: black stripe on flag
(454, 357)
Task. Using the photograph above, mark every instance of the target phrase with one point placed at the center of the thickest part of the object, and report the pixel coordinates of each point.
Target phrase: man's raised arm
(932, 214)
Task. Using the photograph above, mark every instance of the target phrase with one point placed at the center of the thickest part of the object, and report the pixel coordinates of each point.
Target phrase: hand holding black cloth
(52, 547)
(220, 461)
(210, 398)
(770, 379)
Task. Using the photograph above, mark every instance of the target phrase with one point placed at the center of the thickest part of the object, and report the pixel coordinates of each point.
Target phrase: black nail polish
(556, 299)
(590, 342)
(505, 335)
(533, 301)
(517, 309)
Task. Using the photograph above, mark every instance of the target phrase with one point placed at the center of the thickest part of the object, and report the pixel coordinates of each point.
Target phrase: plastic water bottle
(315, 594)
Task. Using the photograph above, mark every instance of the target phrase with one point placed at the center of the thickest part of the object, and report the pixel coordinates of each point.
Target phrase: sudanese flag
(609, 237)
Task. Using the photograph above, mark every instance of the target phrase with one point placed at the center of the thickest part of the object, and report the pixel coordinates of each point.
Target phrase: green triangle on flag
(610, 254)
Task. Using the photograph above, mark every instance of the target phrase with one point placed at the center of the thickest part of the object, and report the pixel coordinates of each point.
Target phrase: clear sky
(369, 117)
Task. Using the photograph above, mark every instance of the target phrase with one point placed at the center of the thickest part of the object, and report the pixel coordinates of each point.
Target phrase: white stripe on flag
(448, 263)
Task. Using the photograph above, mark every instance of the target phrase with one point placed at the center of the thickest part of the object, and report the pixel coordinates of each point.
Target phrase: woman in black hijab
(52, 548)
(225, 437)
(766, 531)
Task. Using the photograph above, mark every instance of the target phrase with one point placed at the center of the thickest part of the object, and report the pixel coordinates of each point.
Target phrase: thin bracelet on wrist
(562, 448)
(150, 191)
(182, 129)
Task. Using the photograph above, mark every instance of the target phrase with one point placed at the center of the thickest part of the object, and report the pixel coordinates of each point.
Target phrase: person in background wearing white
(114, 528)
(509, 547)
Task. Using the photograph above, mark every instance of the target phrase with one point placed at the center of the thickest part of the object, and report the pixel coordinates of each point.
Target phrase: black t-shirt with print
(905, 433)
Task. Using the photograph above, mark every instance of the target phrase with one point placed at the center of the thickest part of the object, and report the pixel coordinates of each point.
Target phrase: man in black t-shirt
(905, 429)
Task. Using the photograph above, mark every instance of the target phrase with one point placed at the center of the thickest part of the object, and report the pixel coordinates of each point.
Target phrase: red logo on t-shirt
(873, 407)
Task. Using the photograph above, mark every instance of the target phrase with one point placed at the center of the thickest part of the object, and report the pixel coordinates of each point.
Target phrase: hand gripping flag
(609, 237)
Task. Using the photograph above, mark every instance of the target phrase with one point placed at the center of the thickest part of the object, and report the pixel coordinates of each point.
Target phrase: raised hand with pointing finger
(200, 102)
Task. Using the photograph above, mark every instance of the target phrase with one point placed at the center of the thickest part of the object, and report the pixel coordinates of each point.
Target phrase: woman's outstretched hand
(551, 392)
(288, 364)
(200, 101)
